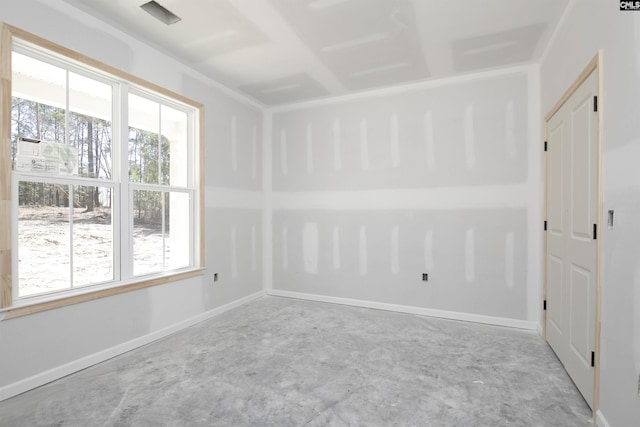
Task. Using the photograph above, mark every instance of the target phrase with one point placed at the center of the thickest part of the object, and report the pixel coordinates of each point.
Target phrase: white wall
(371, 191)
(39, 347)
(589, 26)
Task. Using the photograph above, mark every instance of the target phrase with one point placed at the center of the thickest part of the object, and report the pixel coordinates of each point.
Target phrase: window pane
(90, 125)
(178, 230)
(37, 139)
(43, 238)
(158, 143)
(144, 152)
(39, 97)
(162, 231)
(174, 146)
(38, 81)
(148, 236)
(92, 236)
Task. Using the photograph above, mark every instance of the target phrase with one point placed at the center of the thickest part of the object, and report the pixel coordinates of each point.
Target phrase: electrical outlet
(215, 277)
(425, 277)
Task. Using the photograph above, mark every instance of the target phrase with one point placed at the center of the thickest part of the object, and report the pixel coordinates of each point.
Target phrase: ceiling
(282, 51)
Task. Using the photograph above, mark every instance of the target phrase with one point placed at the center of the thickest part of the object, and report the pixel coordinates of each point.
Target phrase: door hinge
(595, 103)
(593, 359)
(595, 231)
(544, 305)
(545, 146)
(545, 226)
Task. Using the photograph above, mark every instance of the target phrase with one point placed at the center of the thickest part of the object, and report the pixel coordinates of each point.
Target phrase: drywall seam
(451, 315)
(284, 164)
(469, 137)
(289, 38)
(395, 249)
(429, 140)
(234, 143)
(428, 249)
(284, 232)
(556, 31)
(267, 193)
(233, 247)
(535, 210)
(310, 247)
(336, 247)
(601, 421)
(441, 198)
(254, 248)
(254, 153)
(399, 89)
(364, 144)
(216, 197)
(309, 140)
(362, 250)
(470, 255)
(77, 365)
(337, 145)
(394, 141)
(509, 271)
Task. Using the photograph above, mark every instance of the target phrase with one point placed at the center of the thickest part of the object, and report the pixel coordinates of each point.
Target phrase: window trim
(26, 307)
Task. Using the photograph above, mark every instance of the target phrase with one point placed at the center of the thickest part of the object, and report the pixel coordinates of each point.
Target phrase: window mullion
(192, 145)
(125, 224)
(192, 227)
(164, 230)
(71, 251)
(15, 196)
(160, 144)
(71, 190)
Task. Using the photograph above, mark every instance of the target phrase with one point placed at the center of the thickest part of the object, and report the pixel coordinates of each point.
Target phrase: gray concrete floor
(284, 362)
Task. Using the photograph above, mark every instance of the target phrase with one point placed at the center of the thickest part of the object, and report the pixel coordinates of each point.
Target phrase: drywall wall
(39, 347)
(371, 192)
(591, 25)
(449, 136)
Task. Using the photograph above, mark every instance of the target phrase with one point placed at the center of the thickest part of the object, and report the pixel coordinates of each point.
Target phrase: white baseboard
(61, 371)
(601, 420)
(453, 315)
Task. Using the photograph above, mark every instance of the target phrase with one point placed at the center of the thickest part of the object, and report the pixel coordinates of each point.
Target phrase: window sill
(37, 307)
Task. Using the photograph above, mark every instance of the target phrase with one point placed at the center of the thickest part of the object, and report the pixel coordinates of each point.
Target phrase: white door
(572, 217)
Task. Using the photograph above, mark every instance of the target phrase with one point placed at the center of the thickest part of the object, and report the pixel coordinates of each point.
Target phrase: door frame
(595, 65)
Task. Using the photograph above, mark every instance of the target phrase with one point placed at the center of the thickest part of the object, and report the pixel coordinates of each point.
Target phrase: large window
(105, 179)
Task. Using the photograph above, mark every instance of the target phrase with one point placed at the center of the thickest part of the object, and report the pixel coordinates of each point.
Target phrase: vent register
(160, 12)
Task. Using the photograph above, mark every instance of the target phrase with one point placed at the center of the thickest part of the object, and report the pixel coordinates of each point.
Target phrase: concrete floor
(284, 362)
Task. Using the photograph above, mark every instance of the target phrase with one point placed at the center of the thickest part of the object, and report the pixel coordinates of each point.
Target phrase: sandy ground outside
(44, 249)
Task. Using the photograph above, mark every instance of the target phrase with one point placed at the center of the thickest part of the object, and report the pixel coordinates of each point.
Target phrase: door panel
(554, 311)
(555, 170)
(580, 342)
(572, 211)
(582, 218)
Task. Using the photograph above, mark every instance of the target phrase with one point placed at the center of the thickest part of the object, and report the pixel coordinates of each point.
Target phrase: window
(105, 178)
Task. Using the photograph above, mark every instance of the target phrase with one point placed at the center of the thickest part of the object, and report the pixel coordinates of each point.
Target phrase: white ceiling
(281, 51)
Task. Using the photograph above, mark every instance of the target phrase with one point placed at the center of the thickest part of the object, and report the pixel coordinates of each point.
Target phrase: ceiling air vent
(160, 12)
